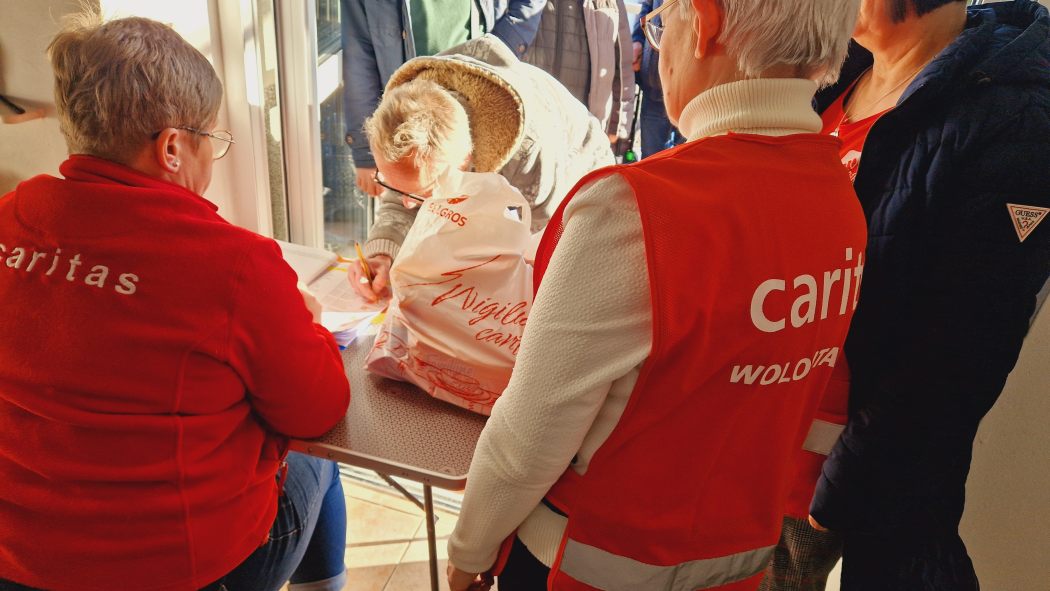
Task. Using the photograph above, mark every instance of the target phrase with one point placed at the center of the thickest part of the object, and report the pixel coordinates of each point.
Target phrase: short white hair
(811, 34)
(423, 121)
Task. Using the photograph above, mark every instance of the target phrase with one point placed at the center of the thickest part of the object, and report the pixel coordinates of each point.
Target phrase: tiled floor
(386, 540)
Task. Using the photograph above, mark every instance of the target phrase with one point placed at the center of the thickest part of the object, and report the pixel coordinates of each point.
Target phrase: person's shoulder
(999, 114)
(1008, 86)
(40, 183)
(255, 245)
(605, 188)
(6, 202)
(238, 246)
(256, 260)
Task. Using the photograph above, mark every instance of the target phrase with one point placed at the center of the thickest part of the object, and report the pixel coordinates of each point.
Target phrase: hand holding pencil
(364, 264)
(370, 276)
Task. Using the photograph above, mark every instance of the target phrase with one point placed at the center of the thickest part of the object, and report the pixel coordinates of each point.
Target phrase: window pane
(267, 40)
(347, 211)
(327, 27)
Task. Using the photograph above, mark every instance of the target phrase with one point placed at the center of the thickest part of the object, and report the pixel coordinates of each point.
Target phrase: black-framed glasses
(221, 140)
(379, 181)
(653, 30)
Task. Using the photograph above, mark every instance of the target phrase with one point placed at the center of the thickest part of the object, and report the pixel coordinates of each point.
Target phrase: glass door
(347, 211)
(325, 208)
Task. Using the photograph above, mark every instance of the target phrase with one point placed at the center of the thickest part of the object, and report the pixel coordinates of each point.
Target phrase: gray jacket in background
(587, 45)
(524, 125)
(377, 39)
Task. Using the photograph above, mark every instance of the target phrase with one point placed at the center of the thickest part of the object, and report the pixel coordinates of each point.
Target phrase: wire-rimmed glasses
(653, 30)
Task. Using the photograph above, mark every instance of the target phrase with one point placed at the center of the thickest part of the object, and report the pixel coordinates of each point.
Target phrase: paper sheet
(347, 326)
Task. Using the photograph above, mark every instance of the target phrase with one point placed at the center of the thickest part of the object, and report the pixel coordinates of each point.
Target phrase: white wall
(37, 147)
(34, 147)
(1007, 520)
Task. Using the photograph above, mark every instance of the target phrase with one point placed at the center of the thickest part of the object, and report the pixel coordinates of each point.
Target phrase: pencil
(361, 259)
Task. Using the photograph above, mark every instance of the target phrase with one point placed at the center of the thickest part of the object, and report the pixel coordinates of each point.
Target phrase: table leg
(404, 492)
(428, 501)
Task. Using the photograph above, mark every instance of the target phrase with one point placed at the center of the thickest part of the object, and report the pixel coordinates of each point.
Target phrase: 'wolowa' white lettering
(793, 371)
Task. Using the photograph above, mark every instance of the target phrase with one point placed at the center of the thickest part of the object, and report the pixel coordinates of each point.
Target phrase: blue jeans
(308, 537)
(657, 132)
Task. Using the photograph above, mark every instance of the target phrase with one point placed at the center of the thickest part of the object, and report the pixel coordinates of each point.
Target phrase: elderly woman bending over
(474, 107)
(690, 312)
(154, 358)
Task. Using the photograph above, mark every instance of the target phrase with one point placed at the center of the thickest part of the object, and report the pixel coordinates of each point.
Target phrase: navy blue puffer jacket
(948, 287)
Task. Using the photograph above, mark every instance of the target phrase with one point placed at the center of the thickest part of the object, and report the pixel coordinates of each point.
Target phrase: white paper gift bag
(462, 293)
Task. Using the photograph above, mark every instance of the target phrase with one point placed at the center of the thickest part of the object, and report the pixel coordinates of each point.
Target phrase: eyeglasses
(221, 140)
(654, 31)
(375, 177)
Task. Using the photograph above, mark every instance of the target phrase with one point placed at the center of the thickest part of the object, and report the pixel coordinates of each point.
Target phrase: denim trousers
(307, 540)
(657, 132)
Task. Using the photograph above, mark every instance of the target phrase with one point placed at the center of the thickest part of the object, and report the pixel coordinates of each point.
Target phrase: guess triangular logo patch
(1026, 218)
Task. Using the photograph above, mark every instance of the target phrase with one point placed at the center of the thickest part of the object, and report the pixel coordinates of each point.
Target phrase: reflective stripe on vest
(822, 437)
(609, 572)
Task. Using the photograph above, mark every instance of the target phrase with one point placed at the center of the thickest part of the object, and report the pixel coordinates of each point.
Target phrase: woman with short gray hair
(682, 332)
(154, 358)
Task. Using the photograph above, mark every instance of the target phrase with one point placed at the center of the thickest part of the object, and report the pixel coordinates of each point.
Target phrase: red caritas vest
(754, 247)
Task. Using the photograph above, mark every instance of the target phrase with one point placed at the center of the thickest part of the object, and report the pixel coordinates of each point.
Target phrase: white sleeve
(591, 324)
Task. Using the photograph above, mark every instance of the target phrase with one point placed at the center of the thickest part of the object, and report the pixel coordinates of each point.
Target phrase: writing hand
(366, 182)
(379, 286)
(460, 580)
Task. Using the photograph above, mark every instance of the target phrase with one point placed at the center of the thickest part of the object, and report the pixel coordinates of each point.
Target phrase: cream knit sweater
(589, 332)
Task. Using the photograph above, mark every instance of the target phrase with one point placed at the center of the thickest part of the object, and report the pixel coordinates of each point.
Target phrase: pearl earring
(175, 162)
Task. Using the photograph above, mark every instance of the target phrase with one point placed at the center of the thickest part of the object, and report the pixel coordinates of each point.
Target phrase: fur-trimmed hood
(484, 72)
(524, 125)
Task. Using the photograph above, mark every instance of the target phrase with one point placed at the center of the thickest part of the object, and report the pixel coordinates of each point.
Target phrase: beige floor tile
(417, 550)
(446, 522)
(371, 578)
(368, 523)
(373, 554)
(385, 497)
(386, 541)
(415, 576)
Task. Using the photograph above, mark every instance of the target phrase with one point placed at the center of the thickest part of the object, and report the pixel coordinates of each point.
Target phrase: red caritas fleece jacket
(153, 360)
